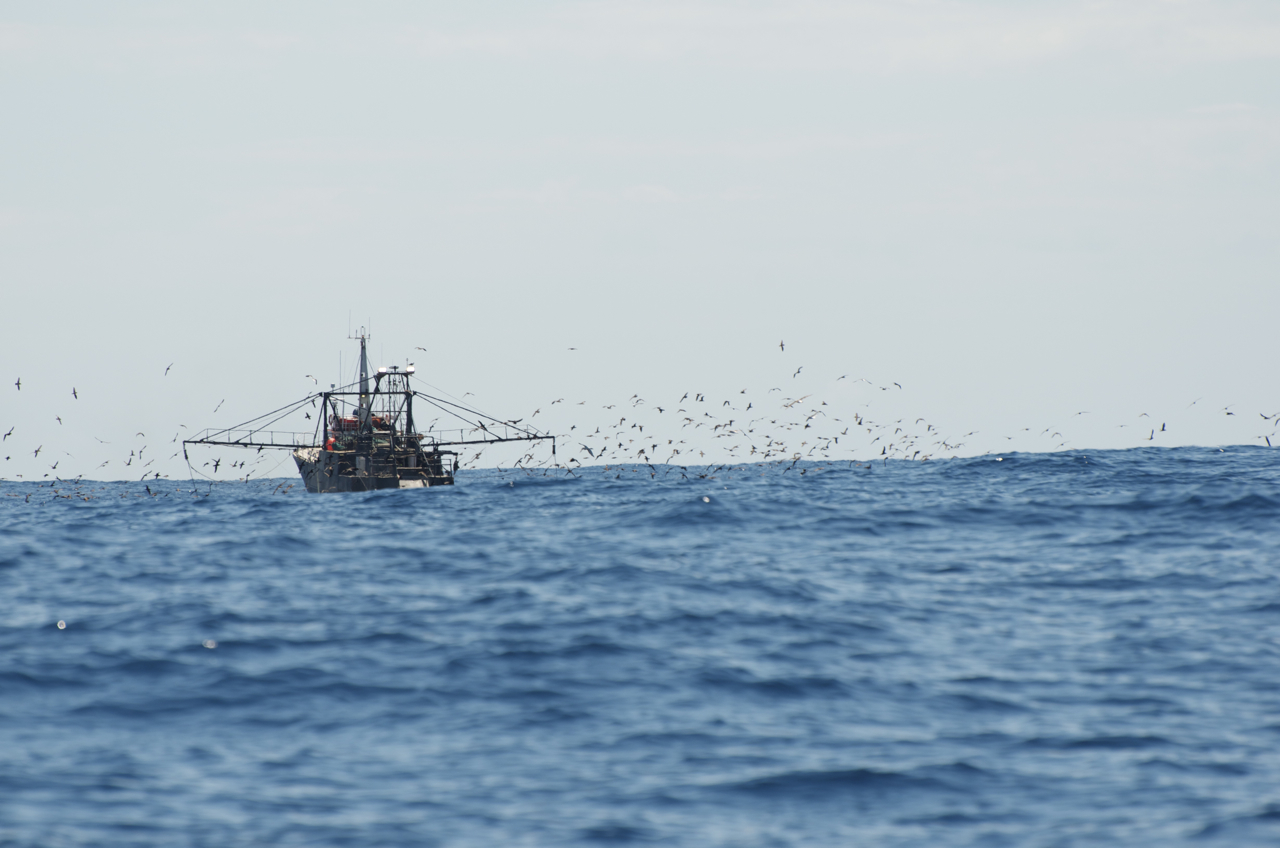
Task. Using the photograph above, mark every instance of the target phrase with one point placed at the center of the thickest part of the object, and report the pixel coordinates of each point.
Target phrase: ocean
(1065, 649)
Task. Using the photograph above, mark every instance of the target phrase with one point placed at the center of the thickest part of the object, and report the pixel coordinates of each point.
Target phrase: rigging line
(458, 401)
(201, 473)
(434, 401)
(274, 420)
(252, 431)
(353, 386)
(266, 475)
(493, 433)
(429, 399)
(437, 388)
(292, 407)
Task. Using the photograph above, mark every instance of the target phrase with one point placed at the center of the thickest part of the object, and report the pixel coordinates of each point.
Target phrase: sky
(1016, 212)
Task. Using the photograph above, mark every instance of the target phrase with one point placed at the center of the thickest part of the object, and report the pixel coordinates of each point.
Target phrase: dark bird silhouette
(797, 374)
(216, 463)
(8, 434)
(166, 370)
(423, 349)
(58, 418)
(19, 384)
(220, 403)
(37, 453)
(306, 415)
(782, 346)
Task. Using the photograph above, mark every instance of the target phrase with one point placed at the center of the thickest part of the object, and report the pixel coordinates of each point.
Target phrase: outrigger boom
(366, 439)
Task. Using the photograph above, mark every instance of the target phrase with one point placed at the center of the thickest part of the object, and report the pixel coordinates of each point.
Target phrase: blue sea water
(1037, 650)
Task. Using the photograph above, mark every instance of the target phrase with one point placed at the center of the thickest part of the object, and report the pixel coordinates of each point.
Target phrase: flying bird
(74, 394)
(313, 379)
(8, 434)
(797, 374)
(166, 370)
(59, 418)
(37, 453)
(19, 384)
(782, 346)
(220, 403)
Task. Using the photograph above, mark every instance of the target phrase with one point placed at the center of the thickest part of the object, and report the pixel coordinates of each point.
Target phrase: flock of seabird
(81, 488)
(696, 435)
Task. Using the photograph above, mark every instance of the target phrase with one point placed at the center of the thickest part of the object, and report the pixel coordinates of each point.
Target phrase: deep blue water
(1052, 650)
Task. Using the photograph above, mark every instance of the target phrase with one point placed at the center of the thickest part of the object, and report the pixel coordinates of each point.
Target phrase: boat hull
(339, 471)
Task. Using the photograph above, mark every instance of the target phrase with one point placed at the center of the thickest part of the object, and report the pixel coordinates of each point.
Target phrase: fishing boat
(365, 436)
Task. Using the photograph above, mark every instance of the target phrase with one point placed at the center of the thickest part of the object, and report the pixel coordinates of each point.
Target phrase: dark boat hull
(340, 471)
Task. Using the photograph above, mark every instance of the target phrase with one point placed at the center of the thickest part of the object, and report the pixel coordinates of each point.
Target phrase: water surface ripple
(1046, 650)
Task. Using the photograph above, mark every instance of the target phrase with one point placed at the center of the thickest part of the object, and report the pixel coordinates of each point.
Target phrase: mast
(364, 385)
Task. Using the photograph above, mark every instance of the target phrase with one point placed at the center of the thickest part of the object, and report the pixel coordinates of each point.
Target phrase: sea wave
(1058, 649)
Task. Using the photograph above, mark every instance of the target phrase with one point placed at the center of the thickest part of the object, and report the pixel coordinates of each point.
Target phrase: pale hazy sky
(1017, 211)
